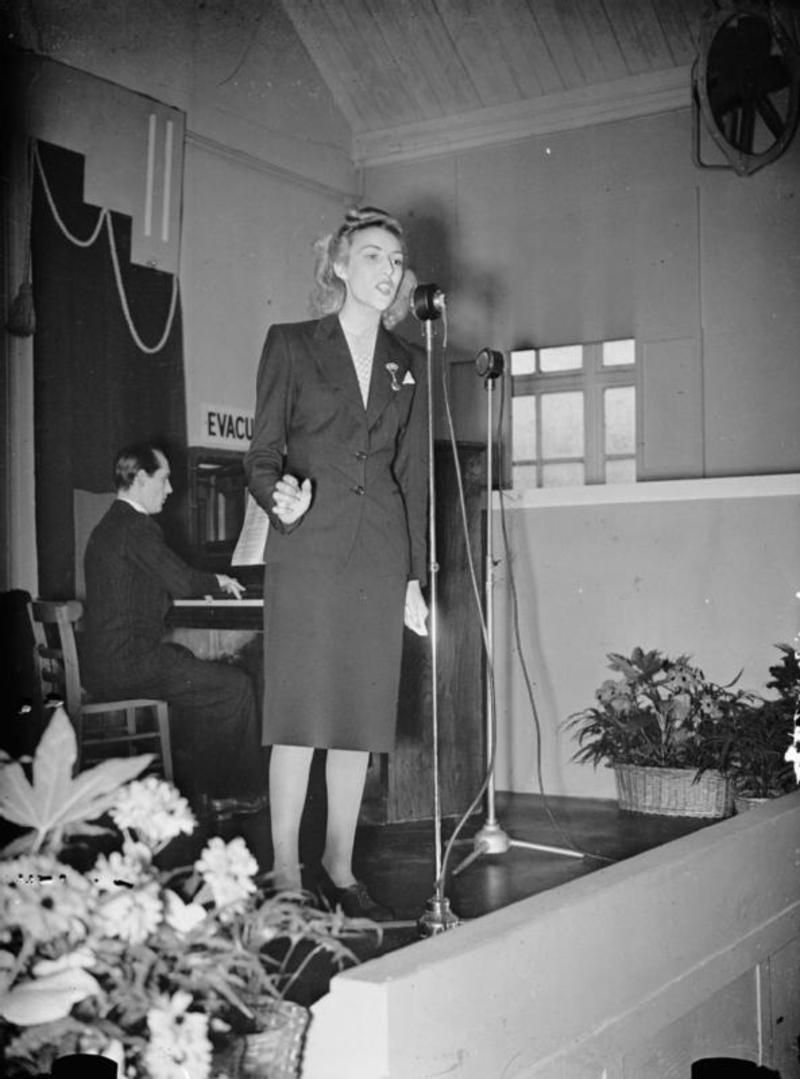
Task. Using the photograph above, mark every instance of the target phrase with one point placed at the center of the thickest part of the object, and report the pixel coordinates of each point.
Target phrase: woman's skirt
(332, 652)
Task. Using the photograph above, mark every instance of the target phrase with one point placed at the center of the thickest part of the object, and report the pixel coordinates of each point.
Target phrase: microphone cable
(537, 726)
(489, 659)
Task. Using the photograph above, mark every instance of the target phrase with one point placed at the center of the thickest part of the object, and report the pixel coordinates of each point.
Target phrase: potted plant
(667, 731)
(759, 764)
(169, 972)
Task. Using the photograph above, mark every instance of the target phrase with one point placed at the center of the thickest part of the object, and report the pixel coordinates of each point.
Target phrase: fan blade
(725, 56)
(755, 37)
(771, 117)
(774, 75)
(723, 97)
(747, 126)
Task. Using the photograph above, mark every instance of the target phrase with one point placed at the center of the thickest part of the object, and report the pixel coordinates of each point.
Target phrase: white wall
(704, 567)
(611, 231)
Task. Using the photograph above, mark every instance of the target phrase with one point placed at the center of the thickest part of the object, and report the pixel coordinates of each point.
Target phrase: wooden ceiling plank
(651, 34)
(545, 14)
(383, 89)
(693, 12)
(585, 45)
(601, 39)
(472, 27)
(424, 50)
(527, 52)
(322, 45)
(639, 35)
(679, 35)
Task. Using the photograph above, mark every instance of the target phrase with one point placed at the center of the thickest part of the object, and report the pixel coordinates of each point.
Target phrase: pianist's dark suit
(131, 579)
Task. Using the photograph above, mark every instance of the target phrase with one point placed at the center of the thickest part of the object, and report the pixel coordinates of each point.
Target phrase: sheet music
(253, 537)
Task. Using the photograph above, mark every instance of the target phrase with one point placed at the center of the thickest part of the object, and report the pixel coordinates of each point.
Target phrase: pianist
(132, 577)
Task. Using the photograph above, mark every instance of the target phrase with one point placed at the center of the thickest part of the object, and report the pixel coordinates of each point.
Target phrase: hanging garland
(105, 218)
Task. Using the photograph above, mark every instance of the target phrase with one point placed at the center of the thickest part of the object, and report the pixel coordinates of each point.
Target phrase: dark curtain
(94, 389)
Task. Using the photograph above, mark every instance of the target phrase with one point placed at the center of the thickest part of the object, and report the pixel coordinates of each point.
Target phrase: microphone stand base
(491, 839)
(438, 917)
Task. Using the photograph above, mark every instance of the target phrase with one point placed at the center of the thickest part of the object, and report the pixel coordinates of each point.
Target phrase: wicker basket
(673, 792)
(275, 1051)
(743, 802)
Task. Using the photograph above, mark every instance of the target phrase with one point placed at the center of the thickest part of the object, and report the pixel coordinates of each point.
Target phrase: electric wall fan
(746, 82)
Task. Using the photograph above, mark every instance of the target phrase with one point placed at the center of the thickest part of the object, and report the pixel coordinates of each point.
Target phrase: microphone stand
(491, 838)
(427, 303)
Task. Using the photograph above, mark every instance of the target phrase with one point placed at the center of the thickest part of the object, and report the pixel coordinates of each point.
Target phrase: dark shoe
(222, 809)
(355, 901)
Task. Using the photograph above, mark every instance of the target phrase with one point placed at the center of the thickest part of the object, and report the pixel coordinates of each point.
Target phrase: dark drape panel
(94, 389)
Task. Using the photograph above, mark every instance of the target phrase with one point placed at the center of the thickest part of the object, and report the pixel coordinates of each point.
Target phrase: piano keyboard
(219, 601)
(217, 613)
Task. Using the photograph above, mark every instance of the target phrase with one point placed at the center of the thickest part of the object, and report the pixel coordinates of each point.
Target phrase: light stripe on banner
(168, 138)
(148, 191)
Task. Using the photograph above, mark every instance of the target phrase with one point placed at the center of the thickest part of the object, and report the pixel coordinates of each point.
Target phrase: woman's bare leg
(289, 768)
(345, 775)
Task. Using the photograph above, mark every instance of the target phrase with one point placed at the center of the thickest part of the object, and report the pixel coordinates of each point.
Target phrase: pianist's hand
(291, 499)
(230, 585)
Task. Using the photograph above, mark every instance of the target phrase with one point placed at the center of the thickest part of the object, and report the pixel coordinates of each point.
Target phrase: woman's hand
(416, 611)
(290, 499)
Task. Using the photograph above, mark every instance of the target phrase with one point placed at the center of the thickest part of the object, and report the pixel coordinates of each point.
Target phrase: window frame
(592, 379)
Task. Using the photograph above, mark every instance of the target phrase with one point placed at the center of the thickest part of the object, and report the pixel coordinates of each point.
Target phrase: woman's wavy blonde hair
(329, 290)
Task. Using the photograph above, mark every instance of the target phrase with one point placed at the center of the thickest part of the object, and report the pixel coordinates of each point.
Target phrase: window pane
(523, 428)
(618, 352)
(523, 476)
(621, 471)
(562, 424)
(523, 362)
(563, 474)
(619, 419)
(565, 358)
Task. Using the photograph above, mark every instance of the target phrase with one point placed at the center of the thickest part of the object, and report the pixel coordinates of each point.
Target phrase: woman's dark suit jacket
(367, 468)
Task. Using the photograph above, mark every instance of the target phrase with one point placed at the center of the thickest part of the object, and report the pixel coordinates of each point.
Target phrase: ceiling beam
(639, 95)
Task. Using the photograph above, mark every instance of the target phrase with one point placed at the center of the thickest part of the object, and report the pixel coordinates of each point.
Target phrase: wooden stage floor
(397, 861)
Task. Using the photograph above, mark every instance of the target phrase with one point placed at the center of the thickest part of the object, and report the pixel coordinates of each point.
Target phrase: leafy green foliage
(660, 712)
(758, 759)
(53, 804)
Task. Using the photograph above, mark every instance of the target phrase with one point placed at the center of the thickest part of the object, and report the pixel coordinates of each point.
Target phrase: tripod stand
(492, 838)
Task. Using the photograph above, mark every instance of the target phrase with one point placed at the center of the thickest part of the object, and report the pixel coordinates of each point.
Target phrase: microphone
(427, 302)
(489, 363)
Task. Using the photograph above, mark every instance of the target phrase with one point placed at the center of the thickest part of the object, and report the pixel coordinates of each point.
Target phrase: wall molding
(639, 95)
(777, 485)
(259, 164)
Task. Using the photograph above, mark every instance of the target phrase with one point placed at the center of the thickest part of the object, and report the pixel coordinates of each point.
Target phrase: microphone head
(489, 363)
(427, 302)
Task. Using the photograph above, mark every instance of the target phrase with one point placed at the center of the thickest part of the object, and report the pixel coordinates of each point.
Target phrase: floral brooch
(393, 368)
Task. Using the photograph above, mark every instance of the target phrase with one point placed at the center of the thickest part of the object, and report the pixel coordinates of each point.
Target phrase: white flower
(228, 871)
(44, 898)
(154, 810)
(131, 915)
(179, 1047)
(182, 917)
(792, 754)
(126, 869)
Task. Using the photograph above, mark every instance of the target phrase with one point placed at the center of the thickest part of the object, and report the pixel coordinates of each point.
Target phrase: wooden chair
(117, 726)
